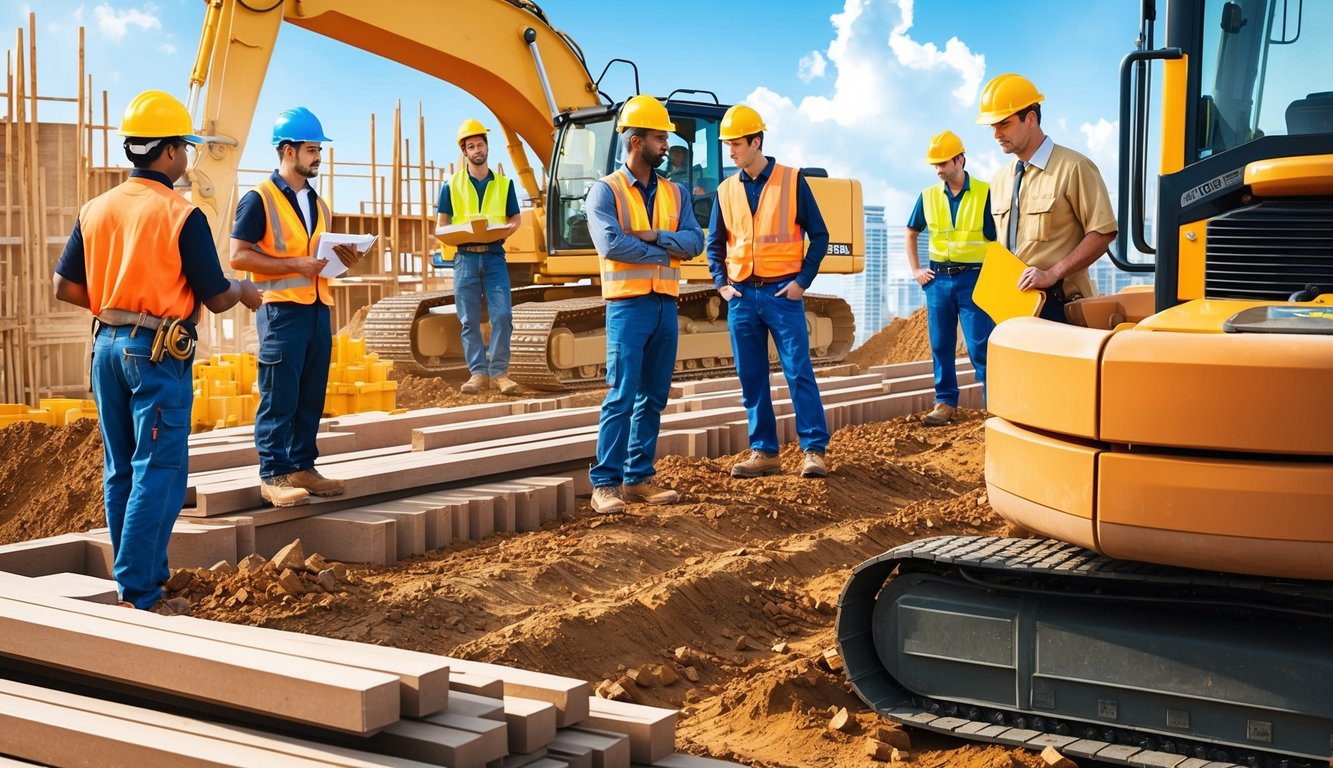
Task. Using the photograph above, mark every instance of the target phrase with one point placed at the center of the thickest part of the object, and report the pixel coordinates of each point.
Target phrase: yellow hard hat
(739, 122)
(644, 111)
(944, 147)
(470, 127)
(1005, 95)
(156, 115)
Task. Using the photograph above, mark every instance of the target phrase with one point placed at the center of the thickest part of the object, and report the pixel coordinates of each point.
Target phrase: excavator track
(1036, 643)
(581, 324)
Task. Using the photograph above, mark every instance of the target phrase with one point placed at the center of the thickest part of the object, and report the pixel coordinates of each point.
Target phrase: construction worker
(957, 213)
(762, 266)
(275, 239)
(1051, 206)
(642, 226)
(477, 192)
(141, 258)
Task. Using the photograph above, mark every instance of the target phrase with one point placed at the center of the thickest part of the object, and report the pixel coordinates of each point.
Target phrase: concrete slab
(651, 730)
(350, 537)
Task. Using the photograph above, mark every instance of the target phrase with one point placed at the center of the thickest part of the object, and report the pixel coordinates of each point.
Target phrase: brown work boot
(477, 383)
(606, 500)
(814, 465)
(758, 465)
(316, 484)
(506, 385)
(943, 414)
(171, 606)
(279, 491)
(650, 492)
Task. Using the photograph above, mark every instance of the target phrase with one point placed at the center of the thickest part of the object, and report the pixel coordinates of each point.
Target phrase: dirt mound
(442, 392)
(50, 480)
(904, 340)
(356, 326)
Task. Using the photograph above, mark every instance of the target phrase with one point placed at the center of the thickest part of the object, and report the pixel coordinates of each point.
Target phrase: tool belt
(174, 336)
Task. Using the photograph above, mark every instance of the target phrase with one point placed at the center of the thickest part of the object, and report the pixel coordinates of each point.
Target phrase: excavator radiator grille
(1268, 251)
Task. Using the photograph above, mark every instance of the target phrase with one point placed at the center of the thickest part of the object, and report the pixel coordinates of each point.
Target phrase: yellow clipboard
(997, 287)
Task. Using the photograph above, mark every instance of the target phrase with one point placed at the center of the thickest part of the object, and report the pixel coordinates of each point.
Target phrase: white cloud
(114, 24)
(1103, 142)
(167, 48)
(927, 56)
(811, 66)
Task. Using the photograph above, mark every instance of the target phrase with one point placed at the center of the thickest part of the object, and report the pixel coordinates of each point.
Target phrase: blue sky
(856, 86)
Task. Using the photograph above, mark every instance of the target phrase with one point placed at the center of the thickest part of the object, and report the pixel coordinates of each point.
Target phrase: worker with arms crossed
(476, 192)
(642, 226)
(957, 213)
(1051, 205)
(275, 238)
(141, 259)
(761, 265)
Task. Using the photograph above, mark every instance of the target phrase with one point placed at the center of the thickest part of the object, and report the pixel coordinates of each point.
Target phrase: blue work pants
(641, 335)
(295, 347)
(752, 317)
(948, 303)
(478, 275)
(143, 411)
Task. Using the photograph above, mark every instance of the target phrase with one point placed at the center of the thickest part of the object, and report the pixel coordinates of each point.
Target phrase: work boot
(814, 465)
(477, 383)
(943, 414)
(506, 385)
(758, 465)
(650, 492)
(279, 491)
(606, 500)
(171, 606)
(316, 484)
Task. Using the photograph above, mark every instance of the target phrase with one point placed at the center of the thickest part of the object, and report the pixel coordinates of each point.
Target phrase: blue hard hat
(298, 125)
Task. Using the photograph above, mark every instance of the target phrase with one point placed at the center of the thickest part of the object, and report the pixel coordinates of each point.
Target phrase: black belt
(763, 280)
(951, 268)
(650, 293)
(482, 248)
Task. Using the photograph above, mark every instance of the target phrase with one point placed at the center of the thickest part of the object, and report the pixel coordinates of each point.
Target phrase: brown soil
(442, 392)
(356, 327)
(50, 480)
(904, 340)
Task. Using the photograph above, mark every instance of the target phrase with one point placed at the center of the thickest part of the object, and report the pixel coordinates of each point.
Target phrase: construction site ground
(738, 582)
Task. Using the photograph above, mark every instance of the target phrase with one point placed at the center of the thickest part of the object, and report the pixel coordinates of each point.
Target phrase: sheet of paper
(334, 266)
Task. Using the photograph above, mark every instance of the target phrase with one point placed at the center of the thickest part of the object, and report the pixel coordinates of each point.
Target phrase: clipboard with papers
(475, 231)
(334, 266)
(997, 290)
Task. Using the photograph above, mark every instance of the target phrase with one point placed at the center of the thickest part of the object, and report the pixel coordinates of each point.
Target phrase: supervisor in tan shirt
(1064, 216)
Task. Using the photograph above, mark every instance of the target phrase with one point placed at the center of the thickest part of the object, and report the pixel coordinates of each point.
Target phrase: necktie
(1012, 239)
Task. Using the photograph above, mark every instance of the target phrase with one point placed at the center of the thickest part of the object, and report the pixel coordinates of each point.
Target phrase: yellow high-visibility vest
(959, 240)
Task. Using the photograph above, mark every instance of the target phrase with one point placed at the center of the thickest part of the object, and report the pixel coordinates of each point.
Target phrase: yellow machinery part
(1042, 483)
(1048, 375)
(1291, 176)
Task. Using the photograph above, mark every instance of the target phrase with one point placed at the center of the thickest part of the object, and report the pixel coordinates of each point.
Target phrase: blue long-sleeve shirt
(614, 243)
(808, 219)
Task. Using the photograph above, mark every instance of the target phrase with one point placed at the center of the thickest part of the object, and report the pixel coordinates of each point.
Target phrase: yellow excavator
(1171, 449)
(534, 79)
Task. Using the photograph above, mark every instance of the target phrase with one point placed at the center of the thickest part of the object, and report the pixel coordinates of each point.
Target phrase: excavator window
(585, 154)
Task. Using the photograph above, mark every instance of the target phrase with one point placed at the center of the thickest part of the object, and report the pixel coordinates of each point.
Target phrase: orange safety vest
(285, 237)
(768, 242)
(622, 280)
(131, 250)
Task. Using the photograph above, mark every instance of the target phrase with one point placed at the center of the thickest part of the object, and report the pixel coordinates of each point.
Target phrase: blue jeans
(641, 336)
(143, 411)
(295, 346)
(478, 275)
(752, 317)
(949, 302)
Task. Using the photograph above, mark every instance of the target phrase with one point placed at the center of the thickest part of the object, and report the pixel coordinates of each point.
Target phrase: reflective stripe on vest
(285, 237)
(621, 279)
(463, 196)
(131, 250)
(959, 239)
(767, 242)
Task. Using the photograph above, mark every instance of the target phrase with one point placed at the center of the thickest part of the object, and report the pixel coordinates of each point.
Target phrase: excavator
(1170, 450)
(536, 82)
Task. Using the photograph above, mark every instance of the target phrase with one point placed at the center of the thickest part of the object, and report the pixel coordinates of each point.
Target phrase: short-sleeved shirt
(1060, 202)
(446, 202)
(917, 220)
(199, 257)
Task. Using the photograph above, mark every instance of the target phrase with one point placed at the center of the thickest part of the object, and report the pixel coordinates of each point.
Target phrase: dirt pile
(50, 480)
(290, 578)
(356, 326)
(903, 340)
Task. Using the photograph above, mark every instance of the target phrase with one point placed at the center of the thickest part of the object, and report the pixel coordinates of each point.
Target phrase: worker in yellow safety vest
(642, 226)
(956, 212)
(276, 239)
(476, 192)
(141, 259)
(762, 266)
